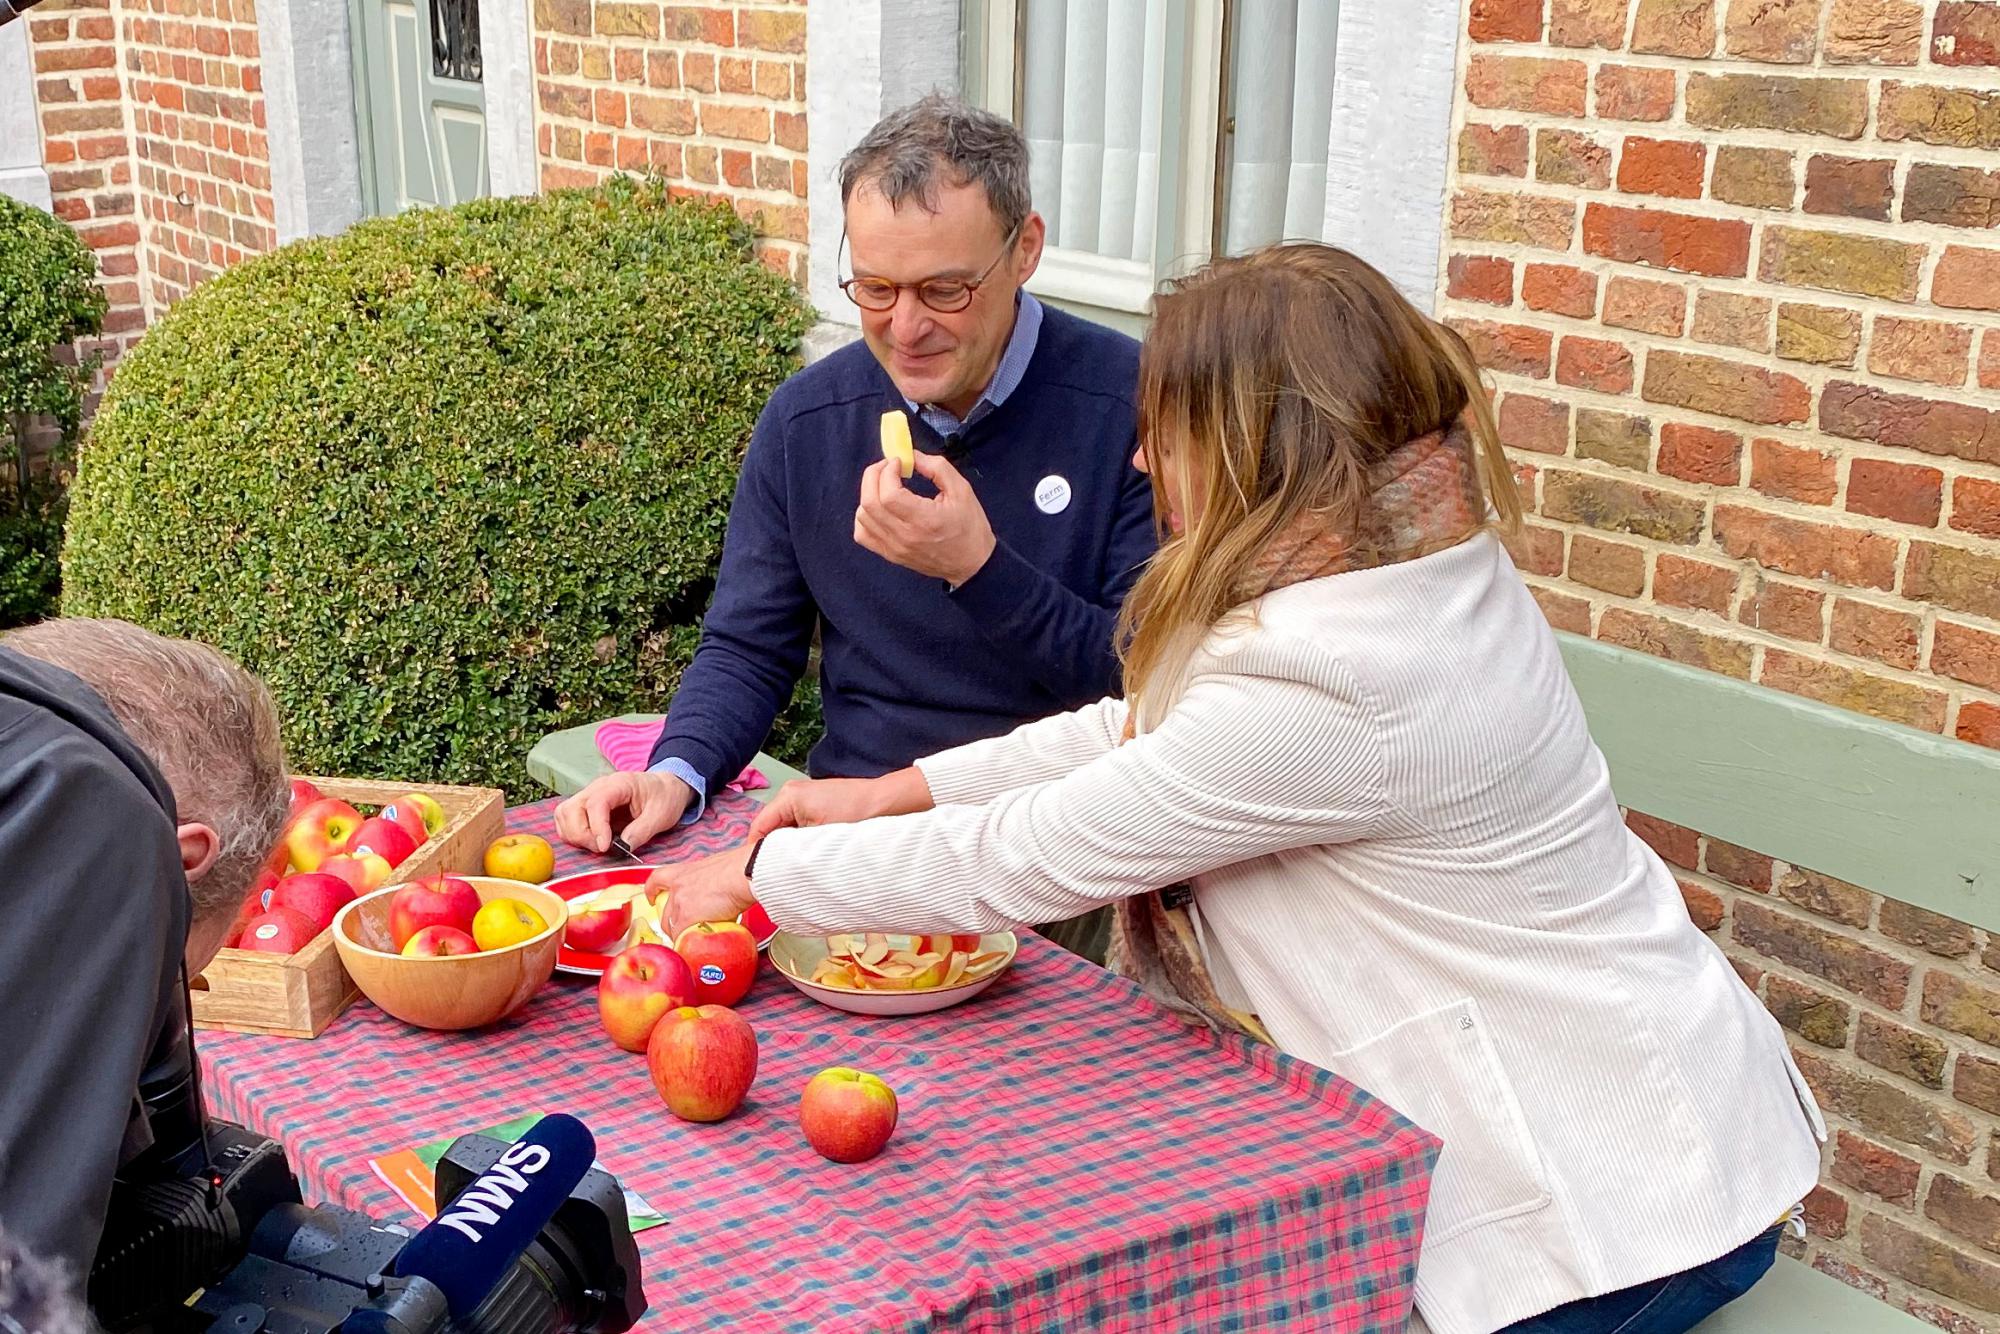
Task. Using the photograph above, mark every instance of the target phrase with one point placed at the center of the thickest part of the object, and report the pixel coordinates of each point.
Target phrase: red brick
(749, 124)
(1975, 506)
(1562, 611)
(790, 130)
(1677, 846)
(1505, 20)
(1704, 906)
(735, 76)
(608, 108)
(1840, 959)
(1674, 641)
(1967, 279)
(597, 148)
(774, 80)
(1725, 388)
(1700, 454)
(1989, 360)
(1907, 493)
(1778, 31)
(1966, 1211)
(1538, 424)
(1951, 196)
(1588, 23)
(1674, 28)
(1787, 610)
(1738, 866)
(1875, 32)
(698, 71)
(1732, 320)
(1931, 932)
(1649, 307)
(1694, 584)
(1481, 215)
(1963, 1007)
(1850, 187)
(1966, 33)
(1833, 107)
(663, 115)
(1594, 363)
(663, 69)
(1852, 688)
(1807, 550)
(1628, 92)
(1934, 426)
(632, 155)
(1571, 157)
(1869, 1167)
(1976, 1082)
(1884, 634)
(1979, 723)
(1953, 577)
(769, 30)
(1493, 150)
(1965, 654)
(1614, 567)
(1524, 83)
(1917, 1057)
(1811, 1013)
(1539, 550)
(48, 60)
(1515, 349)
(629, 65)
(1714, 247)
(1928, 113)
(717, 27)
(1670, 167)
(1560, 289)
(1480, 278)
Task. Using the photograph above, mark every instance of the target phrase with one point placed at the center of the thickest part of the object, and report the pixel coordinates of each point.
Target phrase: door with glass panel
(1160, 132)
(420, 100)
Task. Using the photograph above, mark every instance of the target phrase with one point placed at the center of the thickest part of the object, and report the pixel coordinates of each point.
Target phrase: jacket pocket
(1440, 1070)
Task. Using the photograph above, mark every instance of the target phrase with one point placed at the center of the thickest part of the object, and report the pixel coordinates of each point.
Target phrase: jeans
(1668, 1305)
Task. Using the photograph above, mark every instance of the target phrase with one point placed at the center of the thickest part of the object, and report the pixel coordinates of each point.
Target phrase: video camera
(207, 1234)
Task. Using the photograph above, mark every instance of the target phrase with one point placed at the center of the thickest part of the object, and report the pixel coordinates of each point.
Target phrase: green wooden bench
(1900, 812)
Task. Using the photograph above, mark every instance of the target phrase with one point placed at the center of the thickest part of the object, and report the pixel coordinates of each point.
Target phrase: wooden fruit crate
(298, 995)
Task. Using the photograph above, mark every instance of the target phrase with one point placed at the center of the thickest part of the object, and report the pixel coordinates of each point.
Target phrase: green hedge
(48, 299)
(447, 481)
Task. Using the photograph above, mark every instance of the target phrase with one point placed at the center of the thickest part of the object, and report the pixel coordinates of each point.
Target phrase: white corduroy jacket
(1407, 860)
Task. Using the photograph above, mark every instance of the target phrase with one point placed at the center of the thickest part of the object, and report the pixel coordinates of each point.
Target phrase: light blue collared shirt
(1006, 379)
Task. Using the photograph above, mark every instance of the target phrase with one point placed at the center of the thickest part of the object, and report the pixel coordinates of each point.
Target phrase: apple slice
(896, 443)
(876, 950)
(955, 970)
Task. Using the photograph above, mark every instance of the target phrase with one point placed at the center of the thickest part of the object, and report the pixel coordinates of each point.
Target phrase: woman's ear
(199, 845)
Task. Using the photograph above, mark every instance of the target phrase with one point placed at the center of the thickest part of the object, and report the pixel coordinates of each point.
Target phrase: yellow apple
(504, 922)
(520, 857)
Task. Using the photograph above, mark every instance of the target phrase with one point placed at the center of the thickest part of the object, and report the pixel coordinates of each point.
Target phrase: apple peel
(889, 961)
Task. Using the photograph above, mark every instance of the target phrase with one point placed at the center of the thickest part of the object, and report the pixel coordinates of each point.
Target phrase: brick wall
(87, 146)
(1733, 268)
(201, 158)
(712, 98)
(153, 131)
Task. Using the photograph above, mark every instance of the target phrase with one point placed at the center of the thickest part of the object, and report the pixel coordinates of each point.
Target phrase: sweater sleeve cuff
(684, 771)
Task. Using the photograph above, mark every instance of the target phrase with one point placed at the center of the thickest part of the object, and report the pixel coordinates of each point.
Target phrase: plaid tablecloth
(1069, 1156)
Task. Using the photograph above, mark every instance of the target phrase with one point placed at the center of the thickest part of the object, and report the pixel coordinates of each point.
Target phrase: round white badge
(1052, 494)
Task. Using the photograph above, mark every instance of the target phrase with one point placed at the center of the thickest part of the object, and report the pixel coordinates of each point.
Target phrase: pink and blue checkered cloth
(1069, 1157)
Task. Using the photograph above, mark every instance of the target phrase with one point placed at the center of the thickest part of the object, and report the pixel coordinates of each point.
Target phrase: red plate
(584, 964)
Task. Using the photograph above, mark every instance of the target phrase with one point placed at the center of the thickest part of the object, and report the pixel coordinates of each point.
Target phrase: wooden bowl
(452, 991)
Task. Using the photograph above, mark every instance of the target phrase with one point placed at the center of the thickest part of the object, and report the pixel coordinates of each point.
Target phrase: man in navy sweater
(978, 595)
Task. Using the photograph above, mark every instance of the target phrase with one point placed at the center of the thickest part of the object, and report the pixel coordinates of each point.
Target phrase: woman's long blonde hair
(1269, 385)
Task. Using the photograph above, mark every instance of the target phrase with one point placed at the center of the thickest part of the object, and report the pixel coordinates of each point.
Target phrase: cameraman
(142, 783)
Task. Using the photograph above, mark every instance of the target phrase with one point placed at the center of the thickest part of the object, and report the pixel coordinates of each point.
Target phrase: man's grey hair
(942, 141)
(208, 724)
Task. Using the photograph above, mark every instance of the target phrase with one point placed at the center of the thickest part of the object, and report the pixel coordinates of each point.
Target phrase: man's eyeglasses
(946, 296)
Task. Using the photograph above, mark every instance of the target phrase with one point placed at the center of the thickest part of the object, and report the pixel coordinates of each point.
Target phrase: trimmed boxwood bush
(447, 481)
(48, 298)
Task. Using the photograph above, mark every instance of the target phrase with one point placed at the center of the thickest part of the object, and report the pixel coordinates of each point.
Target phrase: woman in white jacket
(1352, 752)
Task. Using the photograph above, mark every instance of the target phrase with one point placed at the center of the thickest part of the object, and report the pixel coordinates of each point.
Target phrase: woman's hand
(711, 890)
(811, 801)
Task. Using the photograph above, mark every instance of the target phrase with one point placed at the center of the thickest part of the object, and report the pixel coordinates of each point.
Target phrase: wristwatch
(750, 862)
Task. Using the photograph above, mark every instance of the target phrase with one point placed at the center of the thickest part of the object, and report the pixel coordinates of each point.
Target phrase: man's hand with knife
(633, 807)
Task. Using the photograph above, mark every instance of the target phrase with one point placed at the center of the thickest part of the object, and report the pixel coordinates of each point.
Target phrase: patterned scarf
(1423, 498)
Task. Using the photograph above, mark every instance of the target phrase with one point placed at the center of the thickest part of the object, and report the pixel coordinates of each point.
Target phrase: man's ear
(199, 844)
(1034, 234)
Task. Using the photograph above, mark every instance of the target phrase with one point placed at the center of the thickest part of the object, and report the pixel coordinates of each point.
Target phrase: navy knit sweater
(908, 666)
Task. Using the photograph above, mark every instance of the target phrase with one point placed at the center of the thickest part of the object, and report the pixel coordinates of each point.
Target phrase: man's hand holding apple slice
(651, 803)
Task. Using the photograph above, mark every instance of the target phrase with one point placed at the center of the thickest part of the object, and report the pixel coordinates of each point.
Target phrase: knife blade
(624, 849)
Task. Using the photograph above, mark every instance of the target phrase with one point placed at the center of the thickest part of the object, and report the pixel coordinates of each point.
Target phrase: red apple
(441, 901)
(437, 942)
(314, 895)
(427, 809)
(702, 1060)
(946, 944)
(724, 958)
(597, 929)
(279, 931)
(319, 831)
(406, 818)
(278, 865)
(847, 1115)
(385, 838)
(304, 794)
(254, 902)
(639, 985)
(366, 873)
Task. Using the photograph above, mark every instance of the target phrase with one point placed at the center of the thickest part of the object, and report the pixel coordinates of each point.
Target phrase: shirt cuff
(684, 771)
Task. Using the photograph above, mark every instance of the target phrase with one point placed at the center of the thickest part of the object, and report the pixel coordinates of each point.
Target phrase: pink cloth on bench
(629, 745)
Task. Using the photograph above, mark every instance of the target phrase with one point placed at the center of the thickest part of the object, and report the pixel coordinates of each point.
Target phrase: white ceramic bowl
(797, 956)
